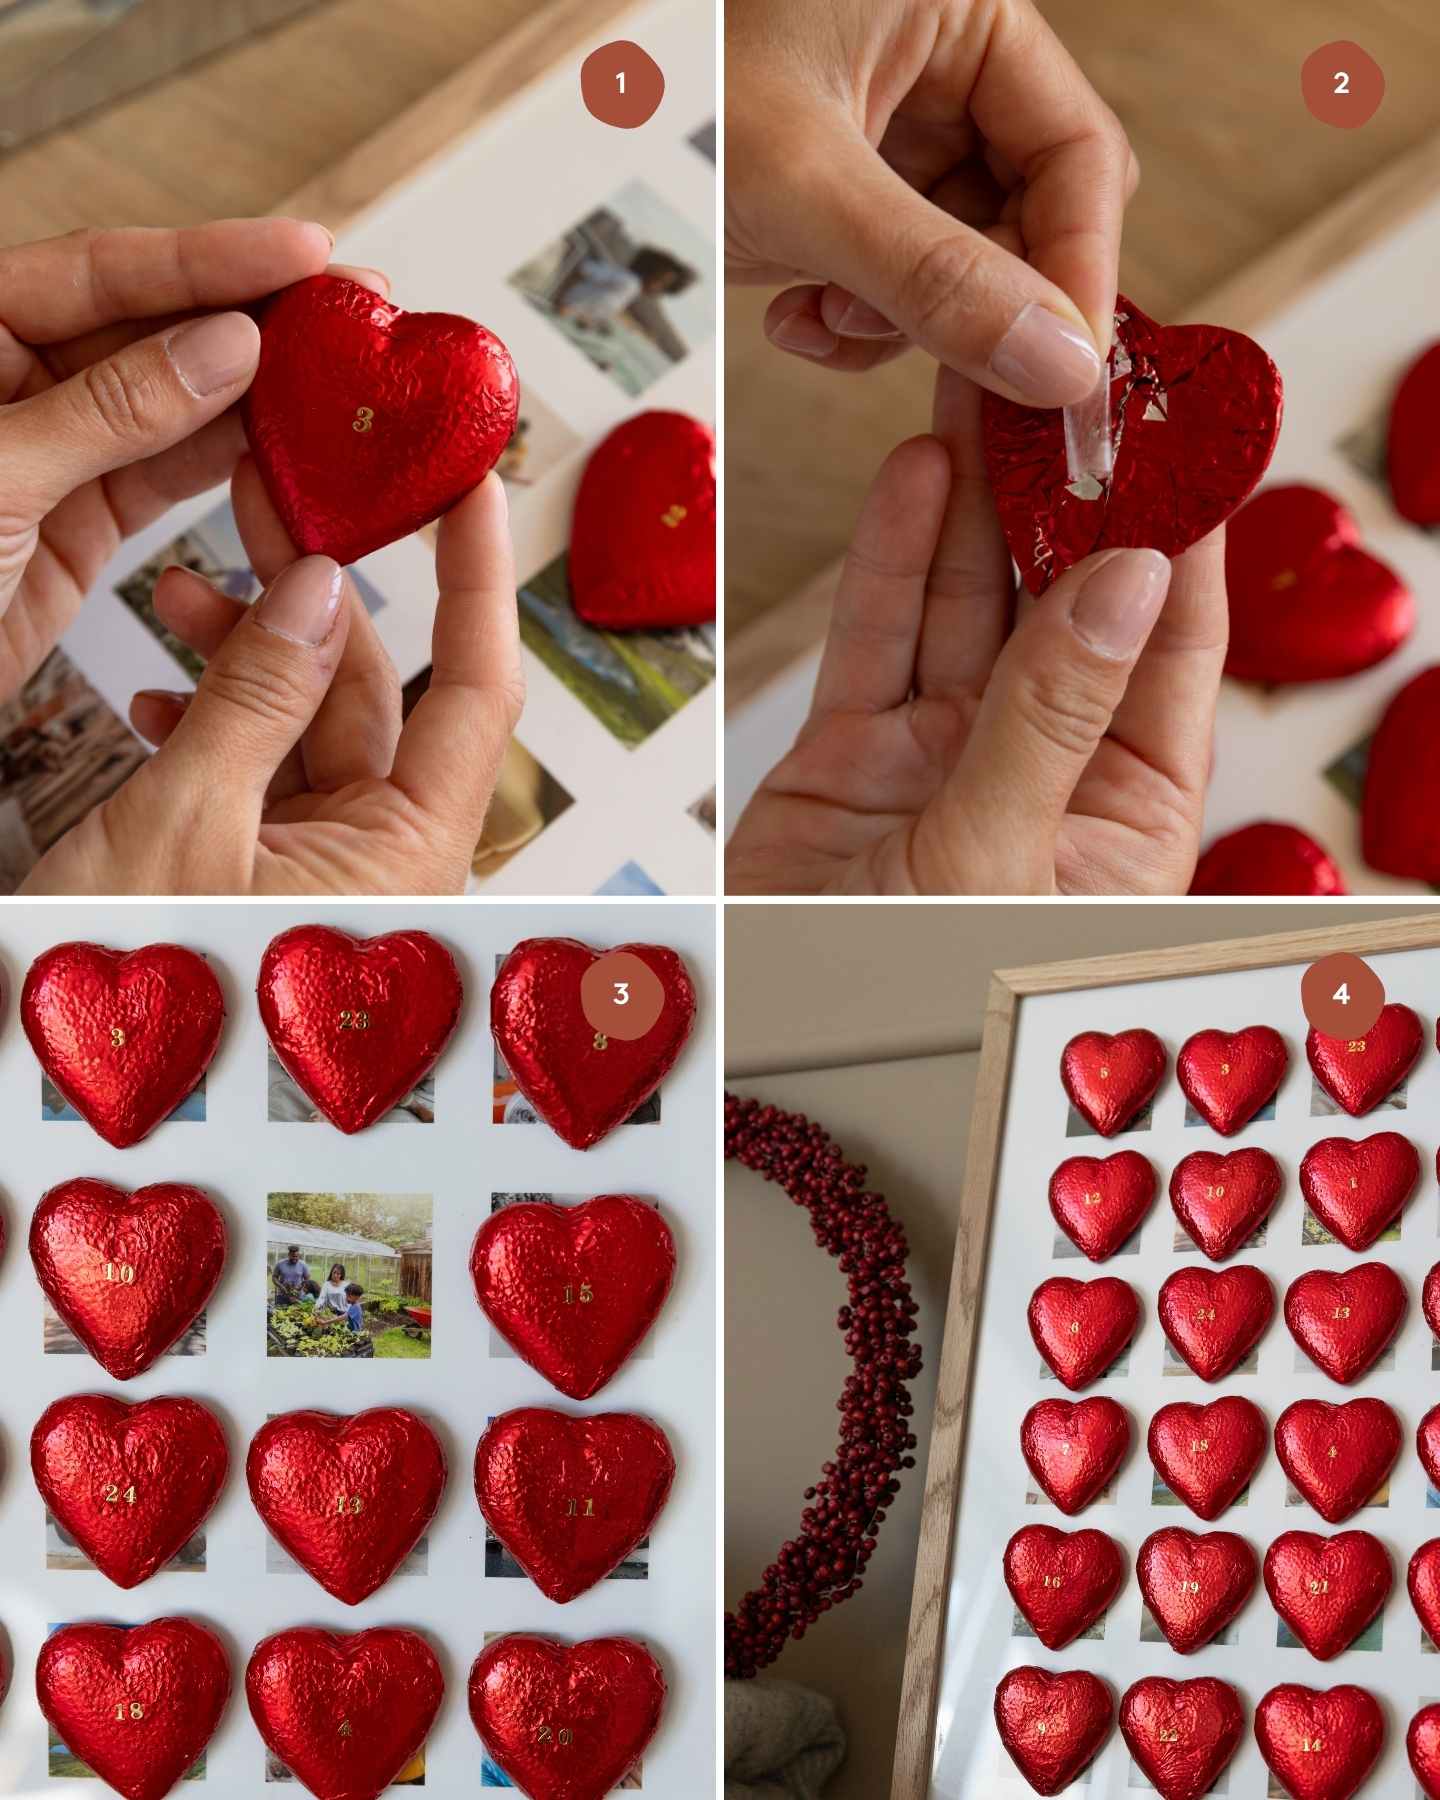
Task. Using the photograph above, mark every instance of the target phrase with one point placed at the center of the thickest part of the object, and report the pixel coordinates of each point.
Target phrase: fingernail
(169, 695)
(325, 228)
(1046, 359)
(861, 320)
(804, 335)
(303, 601)
(374, 278)
(215, 352)
(1119, 601)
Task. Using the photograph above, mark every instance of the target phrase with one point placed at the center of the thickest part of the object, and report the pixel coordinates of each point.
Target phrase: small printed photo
(1347, 773)
(1267, 1111)
(629, 878)
(286, 1103)
(512, 1108)
(541, 440)
(703, 140)
(1137, 1779)
(493, 1776)
(1065, 1250)
(1372, 1638)
(1150, 1632)
(1021, 1627)
(703, 810)
(632, 287)
(1381, 1497)
(632, 681)
(1033, 1497)
(1313, 1233)
(1364, 447)
(62, 1763)
(1076, 1126)
(348, 1275)
(1161, 1495)
(62, 751)
(412, 1775)
(62, 1552)
(1120, 1366)
(54, 1105)
(1175, 1364)
(1185, 1245)
(60, 1340)
(1323, 1107)
(498, 1346)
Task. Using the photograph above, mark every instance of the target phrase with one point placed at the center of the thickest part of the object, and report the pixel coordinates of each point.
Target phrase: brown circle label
(1342, 995)
(620, 996)
(1342, 84)
(621, 84)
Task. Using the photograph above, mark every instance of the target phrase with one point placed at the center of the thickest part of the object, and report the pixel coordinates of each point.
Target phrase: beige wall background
(868, 1019)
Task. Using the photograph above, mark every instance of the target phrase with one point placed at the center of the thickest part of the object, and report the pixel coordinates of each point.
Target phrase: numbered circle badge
(1342, 995)
(620, 996)
(621, 85)
(1342, 84)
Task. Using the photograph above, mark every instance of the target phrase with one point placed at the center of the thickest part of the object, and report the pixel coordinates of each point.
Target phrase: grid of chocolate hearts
(1241, 1239)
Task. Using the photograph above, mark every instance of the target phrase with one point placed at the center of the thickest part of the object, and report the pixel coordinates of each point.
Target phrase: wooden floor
(1231, 160)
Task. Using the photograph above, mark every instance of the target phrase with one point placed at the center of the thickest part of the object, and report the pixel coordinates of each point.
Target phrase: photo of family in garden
(348, 1275)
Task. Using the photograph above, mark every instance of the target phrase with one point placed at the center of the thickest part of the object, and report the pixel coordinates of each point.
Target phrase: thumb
(140, 400)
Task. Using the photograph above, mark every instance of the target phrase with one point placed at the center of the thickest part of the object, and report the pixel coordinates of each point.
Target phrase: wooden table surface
(1232, 162)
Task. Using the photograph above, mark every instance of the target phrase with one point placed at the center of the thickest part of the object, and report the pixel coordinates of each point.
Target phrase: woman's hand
(117, 380)
(936, 171)
(287, 770)
(947, 753)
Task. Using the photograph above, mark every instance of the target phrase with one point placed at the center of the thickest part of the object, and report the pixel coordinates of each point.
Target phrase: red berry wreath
(824, 1564)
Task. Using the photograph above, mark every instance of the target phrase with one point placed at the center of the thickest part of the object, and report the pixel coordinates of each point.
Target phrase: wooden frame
(914, 1745)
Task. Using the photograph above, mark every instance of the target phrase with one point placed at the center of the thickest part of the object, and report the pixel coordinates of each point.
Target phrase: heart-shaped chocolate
(1399, 828)
(367, 422)
(124, 1035)
(581, 1081)
(642, 542)
(1080, 1327)
(345, 1711)
(1194, 415)
(1306, 602)
(1427, 1445)
(1195, 1583)
(357, 1022)
(1222, 1199)
(1343, 1319)
(1358, 1073)
(1357, 1187)
(1267, 858)
(573, 1290)
(1053, 1725)
(1215, 1317)
(131, 1484)
(1206, 1453)
(1109, 1079)
(1182, 1733)
(1430, 1298)
(1338, 1456)
(1099, 1201)
(137, 1704)
(1073, 1447)
(1320, 1743)
(1412, 457)
(128, 1273)
(349, 1498)
(1062, 1581)
(1422, 1579)
(1327, 1589)
(570, 1498)
(566, 1721)
(1228, 1076)
(1422, 1746)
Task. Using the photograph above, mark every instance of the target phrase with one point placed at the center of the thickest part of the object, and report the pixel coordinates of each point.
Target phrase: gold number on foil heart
(117, 1037)
(1341, 1312)
(1198, 1446)
(346, 1728)
(1312, 1744)
(673, 517)
(349, 1503)
(572, 1510)
(1189, 1587)
(1205, 1315)
(120, 1272)
(587, 1294)
(1356, 1046)
(133, 1711)
(544, 1735)
(352, 1020)
(1224, 1068)
(1104, 1074)
(1318, 1587)
(1332, 1452)
(364, 418)
(1169, 1737)
(1074, 1328)
(1092, 1199)
(1215, 1193)
(113, 1494)
(1052, 1581)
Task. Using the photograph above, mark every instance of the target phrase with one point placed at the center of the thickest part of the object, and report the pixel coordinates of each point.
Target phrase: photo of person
(629, 878)
(286, 1104)
(541, 439)
(348, 1275)
(54, 1105)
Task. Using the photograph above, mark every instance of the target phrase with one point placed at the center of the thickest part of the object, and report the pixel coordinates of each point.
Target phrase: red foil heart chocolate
(582, 1082)
(1195, 1583)
(349, 1498)
(124, 1035)
(1422, 1746)
(345, 1711)
(1357, 1188)
(1412, 457)
(1306, 602)
(1267, 858)
(1343, 1319)
(358, 1023)
(1194, 415)
(1327, 1589)
(1320, 1743)
(573, 1290)
(1430, 1298)
(1080, 1327)
(1098, 1202)
(1427, 1445)
(1215, 1317)
(128, 1273)
(1223, 1199)
(566, 1721)
(642, 543)
(1062, 1581)
(1358, 1073)
(1337, 1456)
(1423, 1582)
(1229, 1075)
(1206, 1454)
(1053, 1725)
(1073, 1447)
(1110, 1079)
(367, 422)
(570, 1498)
(137, 1705)
(130, 1484)
(1399, 828)
(1182, 1733)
